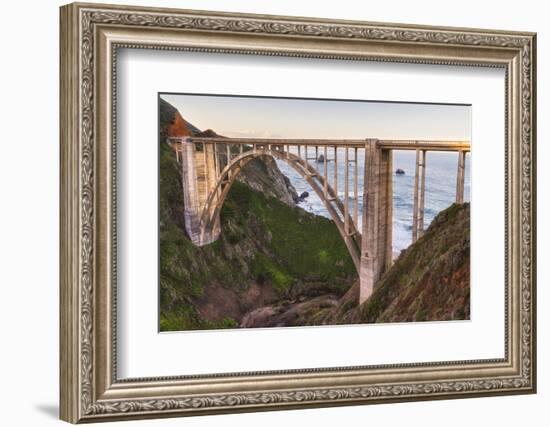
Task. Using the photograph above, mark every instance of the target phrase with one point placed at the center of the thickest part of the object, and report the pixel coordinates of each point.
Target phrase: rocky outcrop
(173, 124)
(302, 312)
(264, 175)
(208, 133)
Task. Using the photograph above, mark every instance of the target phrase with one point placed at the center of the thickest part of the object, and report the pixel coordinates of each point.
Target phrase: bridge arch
(210, 215)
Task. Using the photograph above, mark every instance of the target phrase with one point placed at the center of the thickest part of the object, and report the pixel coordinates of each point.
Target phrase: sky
(234, 116)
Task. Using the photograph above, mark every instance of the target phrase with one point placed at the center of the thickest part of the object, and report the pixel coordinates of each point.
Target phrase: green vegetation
(186, 319)
(305, 246)
(266, 270)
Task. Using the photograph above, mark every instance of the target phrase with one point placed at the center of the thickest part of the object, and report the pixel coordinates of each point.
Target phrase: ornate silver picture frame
(91, 37)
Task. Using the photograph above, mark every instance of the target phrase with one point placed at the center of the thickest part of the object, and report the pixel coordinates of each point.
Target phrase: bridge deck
(388, 144)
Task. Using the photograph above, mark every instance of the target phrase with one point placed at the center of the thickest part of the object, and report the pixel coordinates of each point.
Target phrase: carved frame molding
(90, 390)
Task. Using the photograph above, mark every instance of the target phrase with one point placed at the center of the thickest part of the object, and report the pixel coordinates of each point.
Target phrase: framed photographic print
(265, 212)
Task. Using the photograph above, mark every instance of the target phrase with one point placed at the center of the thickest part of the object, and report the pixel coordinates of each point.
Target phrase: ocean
(441, 169)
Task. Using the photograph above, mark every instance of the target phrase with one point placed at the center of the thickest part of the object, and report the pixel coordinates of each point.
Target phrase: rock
(302, 197)
(263, 175)
(321, 159)
(301, 312)
(400, 172)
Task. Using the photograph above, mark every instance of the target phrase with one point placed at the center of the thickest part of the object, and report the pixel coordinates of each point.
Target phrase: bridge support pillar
(460, 177)
(197, 180)
(376, 241)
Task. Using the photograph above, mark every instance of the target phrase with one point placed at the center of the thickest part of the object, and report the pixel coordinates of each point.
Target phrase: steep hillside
(269, 250)
(429, 281)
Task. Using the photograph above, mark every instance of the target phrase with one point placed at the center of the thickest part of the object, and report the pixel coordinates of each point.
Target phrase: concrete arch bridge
(211, 165)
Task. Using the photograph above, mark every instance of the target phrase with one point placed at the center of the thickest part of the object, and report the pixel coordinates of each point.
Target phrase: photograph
(279, 208)
(294, 212)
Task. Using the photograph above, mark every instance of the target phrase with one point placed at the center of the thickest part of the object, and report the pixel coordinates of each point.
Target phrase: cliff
(429, 281)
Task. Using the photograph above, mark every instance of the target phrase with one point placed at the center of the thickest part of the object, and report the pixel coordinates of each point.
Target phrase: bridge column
(376, 241)
(210, 168)
(190, 191)
(197, 184)
(460, 177)
(418, 195)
